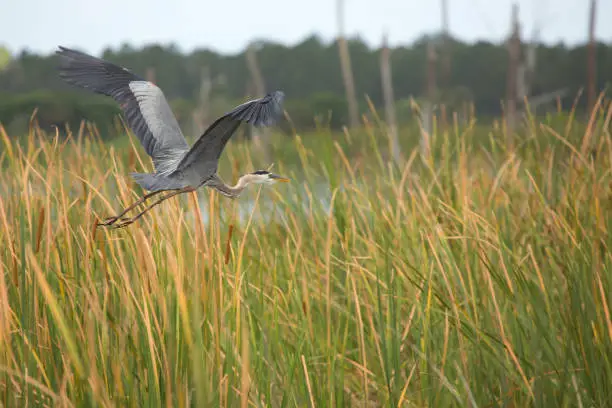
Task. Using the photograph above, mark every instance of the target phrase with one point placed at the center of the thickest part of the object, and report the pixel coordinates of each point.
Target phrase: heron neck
(231, 191)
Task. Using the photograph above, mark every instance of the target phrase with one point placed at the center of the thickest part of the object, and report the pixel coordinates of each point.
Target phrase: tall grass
(478, 277)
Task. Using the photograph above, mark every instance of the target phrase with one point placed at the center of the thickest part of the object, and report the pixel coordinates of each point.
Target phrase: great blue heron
(178, 168)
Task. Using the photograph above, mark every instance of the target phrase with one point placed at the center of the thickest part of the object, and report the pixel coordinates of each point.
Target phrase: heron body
(178, 166)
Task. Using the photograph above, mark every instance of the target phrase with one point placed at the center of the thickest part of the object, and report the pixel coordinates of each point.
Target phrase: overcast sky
(228, 25)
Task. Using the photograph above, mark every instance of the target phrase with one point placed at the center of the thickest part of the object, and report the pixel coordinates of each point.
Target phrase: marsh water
(269, 207)
(270, 204)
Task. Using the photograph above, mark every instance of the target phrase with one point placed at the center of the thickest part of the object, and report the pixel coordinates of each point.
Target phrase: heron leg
(111, 220)
(128, 221)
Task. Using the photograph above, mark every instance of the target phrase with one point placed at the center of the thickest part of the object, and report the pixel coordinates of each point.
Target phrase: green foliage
(475, 277)
(57, 110)
(5, 57)
(309, 73)
(323, 108)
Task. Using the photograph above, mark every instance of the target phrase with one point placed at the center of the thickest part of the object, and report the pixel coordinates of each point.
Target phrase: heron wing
(205, 152)
(142, 102)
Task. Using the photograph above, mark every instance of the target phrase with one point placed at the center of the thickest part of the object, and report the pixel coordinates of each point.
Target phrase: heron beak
(279, 178)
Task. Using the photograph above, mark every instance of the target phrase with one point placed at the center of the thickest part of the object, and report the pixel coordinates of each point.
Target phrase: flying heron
(178, 167)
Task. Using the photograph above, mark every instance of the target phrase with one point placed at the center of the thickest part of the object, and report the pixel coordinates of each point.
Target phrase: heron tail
(155, 182)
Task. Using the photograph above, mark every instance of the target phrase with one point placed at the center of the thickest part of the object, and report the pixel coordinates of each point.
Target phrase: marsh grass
(476, 277)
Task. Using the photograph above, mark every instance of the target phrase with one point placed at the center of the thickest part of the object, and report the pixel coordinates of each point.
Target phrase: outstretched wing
(143, 103)
(205, 152)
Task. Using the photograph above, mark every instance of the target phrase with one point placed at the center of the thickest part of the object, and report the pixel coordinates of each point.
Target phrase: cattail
(227, 245)
(39, 230)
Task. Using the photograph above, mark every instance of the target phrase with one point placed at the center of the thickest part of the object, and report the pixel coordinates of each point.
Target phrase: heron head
(265, 177)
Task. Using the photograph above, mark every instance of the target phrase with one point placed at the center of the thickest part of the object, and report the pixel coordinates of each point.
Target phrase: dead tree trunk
(444, 80)
(260, 136)
(150, 74)
(446, 46)
(387, 87)
(201, 114)
(514, 49)
(591, 70)
(347, 73)
(428, 109)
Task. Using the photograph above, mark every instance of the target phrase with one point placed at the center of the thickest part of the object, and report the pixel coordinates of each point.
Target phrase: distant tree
(309, 73)
(5, 58)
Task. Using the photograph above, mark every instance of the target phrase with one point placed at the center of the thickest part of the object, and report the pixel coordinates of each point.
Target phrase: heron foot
(124, 222)
(113, 222)
(108, 221)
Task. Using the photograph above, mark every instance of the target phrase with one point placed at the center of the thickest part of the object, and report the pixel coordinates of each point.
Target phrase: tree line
(308, 72)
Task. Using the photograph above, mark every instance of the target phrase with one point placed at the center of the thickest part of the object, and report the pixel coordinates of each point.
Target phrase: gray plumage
(149, 116)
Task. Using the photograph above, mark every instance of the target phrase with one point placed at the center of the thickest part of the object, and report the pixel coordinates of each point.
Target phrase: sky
(228, 26)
